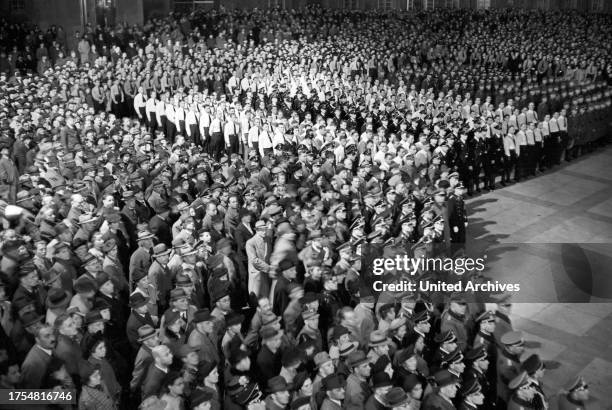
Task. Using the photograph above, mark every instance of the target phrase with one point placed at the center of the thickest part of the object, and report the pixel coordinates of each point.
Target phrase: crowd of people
(185, 203)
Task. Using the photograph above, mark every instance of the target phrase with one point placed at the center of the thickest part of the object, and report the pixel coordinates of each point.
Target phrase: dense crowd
(185, 203)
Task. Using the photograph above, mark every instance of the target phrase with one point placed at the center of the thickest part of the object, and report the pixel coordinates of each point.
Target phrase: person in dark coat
(139, 317)
(34, 367)
(162, 359)
(280, 294)
(269, 358)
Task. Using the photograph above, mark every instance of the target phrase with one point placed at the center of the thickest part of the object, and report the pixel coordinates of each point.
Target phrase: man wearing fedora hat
(57, 302)
(159, 275)
(357, 387)
(148, 339)
(310, 331)
(397, 399)
(141, 258)
(378, 345)
(139, 316)
(335, 393)
(204, 337)
(381, 383)
(279, 396)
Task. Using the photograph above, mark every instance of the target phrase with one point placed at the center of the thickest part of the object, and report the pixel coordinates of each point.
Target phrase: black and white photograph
(306, 204)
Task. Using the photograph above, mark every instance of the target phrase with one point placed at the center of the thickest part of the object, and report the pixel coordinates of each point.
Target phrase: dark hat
(445, 378)
(138, 300)
(422, 316)
(30, 318)
(577, 384)
(532, 364)
(200, 396)
(57, 298)
(233, 318)
(356, 358)
(299, 402)
(453, 357)
(321, 358)
(139, 274)
(446, 337)
(202, 315)
(84, 284)
(171, 316)
(93, 316)
(291, 357)
(333, 381)
(381, 379)
(339, 331)
(406, 354)
(380, 364)
(396, 397)
(277, 384)
(476, 354)
(470, 387)
(86, 369)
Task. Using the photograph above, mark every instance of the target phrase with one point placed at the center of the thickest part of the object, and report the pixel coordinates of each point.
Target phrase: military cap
(453, 357)
(476, 354)
(519, 381)
(513, 338)
(445, 378)
(486, 316)
(578, 384)
(470, 387)
(446, 337)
